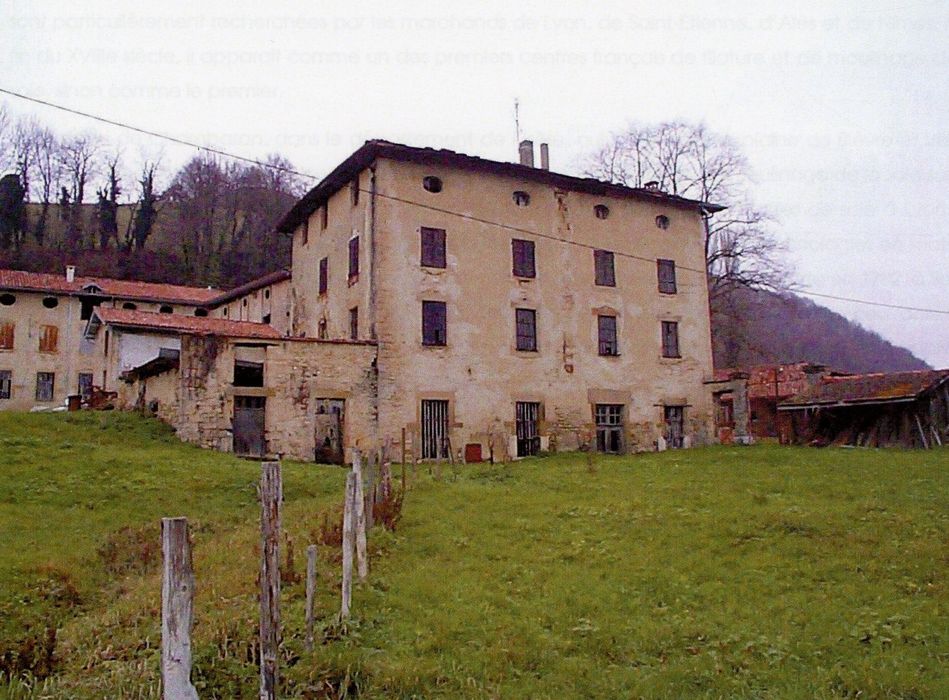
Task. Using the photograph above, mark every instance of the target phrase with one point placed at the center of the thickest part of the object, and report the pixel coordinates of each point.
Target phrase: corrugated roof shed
(856, 389)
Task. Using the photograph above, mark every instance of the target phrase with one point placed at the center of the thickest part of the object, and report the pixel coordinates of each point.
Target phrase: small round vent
(662, 221)
(432, 183)
(50, 302)
(521, 199)
(601, 211)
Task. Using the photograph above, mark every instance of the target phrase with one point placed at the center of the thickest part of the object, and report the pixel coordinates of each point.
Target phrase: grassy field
(760, 572)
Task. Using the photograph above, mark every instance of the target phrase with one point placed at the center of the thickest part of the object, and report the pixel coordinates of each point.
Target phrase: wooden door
(249, 425)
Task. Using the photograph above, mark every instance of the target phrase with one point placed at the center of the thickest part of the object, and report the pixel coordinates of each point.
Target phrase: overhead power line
(156, 134)
(290, 171)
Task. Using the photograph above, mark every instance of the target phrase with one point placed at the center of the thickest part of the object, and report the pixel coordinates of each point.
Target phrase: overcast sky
(842, 108)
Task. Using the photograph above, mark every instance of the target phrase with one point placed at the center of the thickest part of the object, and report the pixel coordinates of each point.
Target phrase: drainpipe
(372, 252)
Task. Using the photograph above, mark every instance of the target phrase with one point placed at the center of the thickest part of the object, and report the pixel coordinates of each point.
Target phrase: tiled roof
(773, 381)
(252, 286)
(378, 148)
(868, 388)
(188, 325)
(125, 289)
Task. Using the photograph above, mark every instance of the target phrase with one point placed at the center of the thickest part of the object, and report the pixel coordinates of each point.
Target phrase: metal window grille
(44, 386)
(609, 427)
(6, 383)
(434, 428)
(527, 425)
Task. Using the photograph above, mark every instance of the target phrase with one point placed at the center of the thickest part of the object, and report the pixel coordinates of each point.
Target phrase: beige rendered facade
(473, 385)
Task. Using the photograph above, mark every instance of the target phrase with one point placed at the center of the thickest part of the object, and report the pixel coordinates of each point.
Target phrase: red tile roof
(868, 388)
(188, 325)
(125, 289)
(265, 281)
(773, 381)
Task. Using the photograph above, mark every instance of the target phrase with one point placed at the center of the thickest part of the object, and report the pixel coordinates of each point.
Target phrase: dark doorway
(434, 429)
(527, 424)
(248, 425)
(328, 431)
(675, 426)
(609, 427)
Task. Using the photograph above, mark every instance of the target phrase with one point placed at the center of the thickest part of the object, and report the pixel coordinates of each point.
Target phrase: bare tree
(741, 248)
(143, 220)
(107, 206)
(47, 165)
(78, 156)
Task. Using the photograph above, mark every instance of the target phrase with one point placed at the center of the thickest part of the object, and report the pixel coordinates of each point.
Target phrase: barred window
(606, 331)
(44, 386)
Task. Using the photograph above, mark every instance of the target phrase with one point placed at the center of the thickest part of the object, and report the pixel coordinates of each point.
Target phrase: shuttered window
(603, 267)
(49, 338)
(606, 332)
(434, 323)
(526, 322)
(522, 253)
(670, 339)
(666, 269)
(324, 275)
(6, 335)
(433, 247)
(353, 258)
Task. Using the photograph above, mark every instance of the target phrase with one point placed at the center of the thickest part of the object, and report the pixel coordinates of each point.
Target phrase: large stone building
(476, 306)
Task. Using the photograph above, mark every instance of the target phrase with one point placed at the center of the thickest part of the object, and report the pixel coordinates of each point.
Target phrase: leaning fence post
(362, 564)
(348, 507)
(310, 593)
(271, 494)
(177, 610)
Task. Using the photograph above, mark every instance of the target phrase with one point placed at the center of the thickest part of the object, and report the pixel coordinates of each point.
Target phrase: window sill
(668, 294)
(609, 357)
(611, 286)
(670, 360)
(527, 353)
(434, 269)
(523, 278)
(433, 346)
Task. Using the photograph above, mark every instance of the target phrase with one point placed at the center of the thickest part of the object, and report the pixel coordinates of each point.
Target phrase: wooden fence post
(271, 494)
(310, 593)
(177, 610)
(348, 507)
(362, 563)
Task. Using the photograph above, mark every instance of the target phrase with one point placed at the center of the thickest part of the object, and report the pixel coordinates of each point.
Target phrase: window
(49, 337)
(434, 429)
(353, 258)
(129, 306)
(354, 191)
(44, 386)
(85, 385)
(526, 327)
(601, 211)
(6, 383)
(667, 276)
(354, 323)
(523, 258)
(521, 199)
(226, 311)
(321, 331)
(201, 313)
(51, 302)
(248, 373)
(324, 275)
(662, 221)
(603, 267)
(527, 427)
(324, 216)
(6, 335)
(7, 299)
(305, 231)
(433, 247)
(87, 304)
(670, 339)
(265, 319)
(609, 427)
(606, 334)
(166, 309)
(432, 184)
(266, 294)
(434, 323)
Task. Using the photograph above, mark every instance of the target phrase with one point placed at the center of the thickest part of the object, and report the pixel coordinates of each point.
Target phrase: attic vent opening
(7, 299)
(50, 302)
(165, 309)
(521, 198)
(129, 305)
(662, 221)
(432, 183)
(601, 211)
(201, 313)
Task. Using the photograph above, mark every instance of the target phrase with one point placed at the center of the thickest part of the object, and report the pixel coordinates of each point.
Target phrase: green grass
(762, 572)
